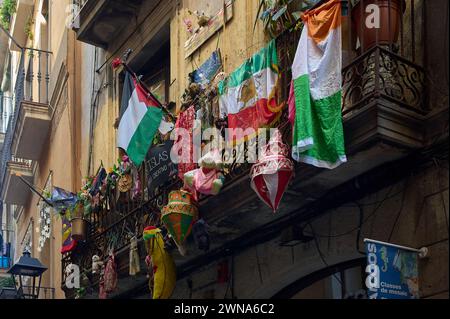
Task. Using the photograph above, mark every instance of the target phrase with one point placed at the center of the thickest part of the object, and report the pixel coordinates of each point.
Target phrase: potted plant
(391, 12)
(81, 211)
(79, 222)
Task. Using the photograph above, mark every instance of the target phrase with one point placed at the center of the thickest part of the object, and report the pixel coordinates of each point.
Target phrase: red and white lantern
(273, 172)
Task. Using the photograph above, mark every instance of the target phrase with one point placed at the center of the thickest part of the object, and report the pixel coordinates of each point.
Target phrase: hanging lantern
(179, 215)
(273, 172)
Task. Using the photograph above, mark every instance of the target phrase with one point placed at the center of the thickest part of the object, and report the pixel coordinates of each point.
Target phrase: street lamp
(28, 267)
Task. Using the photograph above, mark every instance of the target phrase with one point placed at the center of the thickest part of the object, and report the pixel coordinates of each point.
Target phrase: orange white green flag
(318, 135)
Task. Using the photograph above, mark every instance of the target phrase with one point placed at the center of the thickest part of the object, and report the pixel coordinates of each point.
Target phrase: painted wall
(61, 153)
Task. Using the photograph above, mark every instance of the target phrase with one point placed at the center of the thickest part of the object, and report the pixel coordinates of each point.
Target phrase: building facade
(62, 99)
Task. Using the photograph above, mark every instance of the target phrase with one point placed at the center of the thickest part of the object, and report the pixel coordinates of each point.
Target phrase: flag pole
(147, 90)
(35, 191)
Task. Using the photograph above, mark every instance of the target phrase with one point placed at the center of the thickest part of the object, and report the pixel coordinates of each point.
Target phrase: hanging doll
(208, 179)
(135, 267)
(97, 264)
(162, 283)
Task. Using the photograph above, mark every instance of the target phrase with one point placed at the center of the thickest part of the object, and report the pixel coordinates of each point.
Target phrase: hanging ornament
(201, 235)
(208, 179)
(135, 267)
(110, 275)
(179, 215)
(97, 264)
(125, 183)
(273, 172)
(162, 282)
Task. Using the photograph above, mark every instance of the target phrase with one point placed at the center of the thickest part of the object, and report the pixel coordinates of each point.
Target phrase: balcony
(14, 190)
(27, 123)
(32, 129)
(99, 22)
(384, 115)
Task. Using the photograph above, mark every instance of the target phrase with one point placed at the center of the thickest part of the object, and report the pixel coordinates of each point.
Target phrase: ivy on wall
(7, 9)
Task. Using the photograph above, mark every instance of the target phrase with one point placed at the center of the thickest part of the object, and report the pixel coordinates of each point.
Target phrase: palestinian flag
(317, 88)
(248, 96)
(140, 118)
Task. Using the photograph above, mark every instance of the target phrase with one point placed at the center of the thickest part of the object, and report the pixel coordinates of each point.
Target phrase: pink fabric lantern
(273, 172)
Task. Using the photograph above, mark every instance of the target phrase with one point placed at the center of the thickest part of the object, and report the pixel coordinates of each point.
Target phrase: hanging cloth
(318, 134)
(164, 270)
(135, 267)
(184, 146)
(110, 276)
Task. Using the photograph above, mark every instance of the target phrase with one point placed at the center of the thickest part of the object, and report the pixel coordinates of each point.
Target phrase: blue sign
(392, 271)
(208, 70)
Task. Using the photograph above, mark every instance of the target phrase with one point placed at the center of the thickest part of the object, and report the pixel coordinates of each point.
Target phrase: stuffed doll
(97, 264)
(208, 179)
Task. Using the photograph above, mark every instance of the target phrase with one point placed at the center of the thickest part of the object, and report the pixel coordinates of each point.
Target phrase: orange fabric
(323, 19)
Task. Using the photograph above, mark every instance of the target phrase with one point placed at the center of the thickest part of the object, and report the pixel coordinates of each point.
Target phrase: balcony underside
(99, 22)
(31, 131)
(15, 191)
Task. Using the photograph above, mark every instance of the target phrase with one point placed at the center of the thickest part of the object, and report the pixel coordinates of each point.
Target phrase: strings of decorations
(45, 216)
(211, 99)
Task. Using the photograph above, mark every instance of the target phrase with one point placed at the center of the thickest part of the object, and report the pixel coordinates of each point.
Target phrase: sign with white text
(159, 165)
(392, 271)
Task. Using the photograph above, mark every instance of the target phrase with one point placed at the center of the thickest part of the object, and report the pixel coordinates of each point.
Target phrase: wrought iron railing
(380, 73)
(44, 292)
(113, 225)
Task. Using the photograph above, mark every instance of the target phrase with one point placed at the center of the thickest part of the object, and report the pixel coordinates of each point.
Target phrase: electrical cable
(358, 235)
(364, 221)
(399, 213)
(323, 258)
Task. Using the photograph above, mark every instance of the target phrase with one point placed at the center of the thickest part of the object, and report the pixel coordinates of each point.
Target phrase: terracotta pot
(79, 224)
(391, 12)
(79, 229)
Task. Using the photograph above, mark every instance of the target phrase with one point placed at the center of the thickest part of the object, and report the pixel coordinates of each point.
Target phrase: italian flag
(318, 135)
(140, 119)
(248, 96)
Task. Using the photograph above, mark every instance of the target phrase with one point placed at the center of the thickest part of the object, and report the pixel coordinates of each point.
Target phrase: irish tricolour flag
(140, 118)
(317, 83)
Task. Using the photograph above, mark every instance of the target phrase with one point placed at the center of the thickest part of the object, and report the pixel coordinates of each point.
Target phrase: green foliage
(6, 282)
(7, 9)
(29, 28)
(280, 15)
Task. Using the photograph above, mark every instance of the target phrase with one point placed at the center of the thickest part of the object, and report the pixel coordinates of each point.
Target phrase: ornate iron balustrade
(380, 73)
(111, 228)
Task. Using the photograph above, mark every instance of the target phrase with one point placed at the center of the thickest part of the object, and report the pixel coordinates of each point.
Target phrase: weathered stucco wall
(237, 42)
(420, 203)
